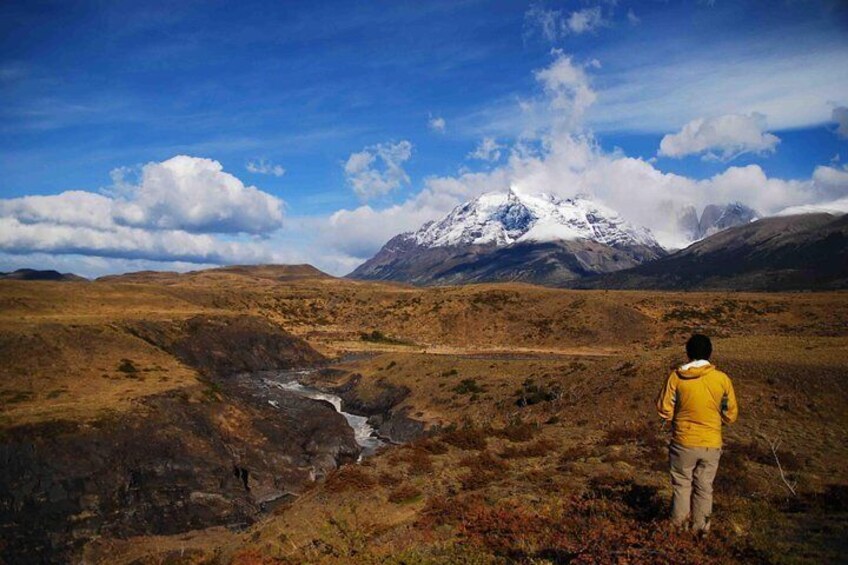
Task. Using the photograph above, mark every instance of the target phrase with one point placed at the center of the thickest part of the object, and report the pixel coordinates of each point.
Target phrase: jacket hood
(694, 372)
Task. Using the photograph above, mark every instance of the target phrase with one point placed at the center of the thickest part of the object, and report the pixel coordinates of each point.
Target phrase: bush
(404, 494)
(538, 448)
(377, 336)
(468, 386)
(482, 470)
(518, 431)
(389, 480)
(465, 438)
(643, 433)
(431, 446)
(349, 477)
(419, 462)
(127, 366)
(531, 393)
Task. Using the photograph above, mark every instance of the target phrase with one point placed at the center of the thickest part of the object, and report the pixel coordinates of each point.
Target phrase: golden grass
(604, 353)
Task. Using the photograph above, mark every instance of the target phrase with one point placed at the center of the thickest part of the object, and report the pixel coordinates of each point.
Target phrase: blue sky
(285, 95)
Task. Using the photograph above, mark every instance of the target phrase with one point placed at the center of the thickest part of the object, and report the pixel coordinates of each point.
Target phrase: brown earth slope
(545, 444)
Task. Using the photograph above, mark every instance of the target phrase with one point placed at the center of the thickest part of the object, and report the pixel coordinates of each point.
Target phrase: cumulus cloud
(437, 124)
(196, 195)
(720, 138)
(487, 150)
(174, 213)
(840, 116)
(264, 167)
(378, 170)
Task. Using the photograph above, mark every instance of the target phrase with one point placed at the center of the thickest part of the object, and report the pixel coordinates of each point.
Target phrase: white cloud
(561, 160)
(125, 242)
(437, 124)
(367, 179)
(840, 116)
(583, 21)
(569, 165)
(567, 91)
(633, 18)
(720, 138)
(792, 82)
(548, 22)
(172, 214)
(487, 150)
(553, 25)
(835, 207)
(264, 167)
(196, 195)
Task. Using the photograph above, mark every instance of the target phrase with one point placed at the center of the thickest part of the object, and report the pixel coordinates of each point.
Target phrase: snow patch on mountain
(504, 218)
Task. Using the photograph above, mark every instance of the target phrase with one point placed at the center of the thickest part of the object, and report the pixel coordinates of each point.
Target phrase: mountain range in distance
(575, 242)
(801, 252)
(40, 275)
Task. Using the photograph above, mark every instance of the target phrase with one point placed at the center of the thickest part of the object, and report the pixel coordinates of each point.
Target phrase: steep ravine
(383, 410)
(215, 454)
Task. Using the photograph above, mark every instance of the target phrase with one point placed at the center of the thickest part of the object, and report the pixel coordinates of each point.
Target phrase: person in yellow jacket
(697, 398)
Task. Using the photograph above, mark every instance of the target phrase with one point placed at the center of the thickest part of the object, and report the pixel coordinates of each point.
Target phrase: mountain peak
(504, 218)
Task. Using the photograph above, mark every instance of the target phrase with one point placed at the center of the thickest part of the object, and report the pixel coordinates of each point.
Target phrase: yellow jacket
(696, 399)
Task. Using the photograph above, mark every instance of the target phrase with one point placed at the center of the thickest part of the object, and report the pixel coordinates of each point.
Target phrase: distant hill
(266, 272)
(37, 275)
(803, 252)
(537, 239)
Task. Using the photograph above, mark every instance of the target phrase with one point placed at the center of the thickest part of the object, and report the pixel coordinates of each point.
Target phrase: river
(365, 434)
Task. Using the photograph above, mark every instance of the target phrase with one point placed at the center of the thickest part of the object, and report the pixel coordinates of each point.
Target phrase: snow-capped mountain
(506, 218)
(513, 236)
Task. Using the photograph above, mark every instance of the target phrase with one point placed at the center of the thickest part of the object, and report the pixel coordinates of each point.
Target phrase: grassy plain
(548, 451)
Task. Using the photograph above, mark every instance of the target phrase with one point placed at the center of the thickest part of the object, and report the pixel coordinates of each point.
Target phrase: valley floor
(541, 443)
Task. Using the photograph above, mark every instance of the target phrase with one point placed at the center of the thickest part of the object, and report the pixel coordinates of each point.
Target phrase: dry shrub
(645, 434)
(349, 477)
(538, 448)
(542, 479)
(431, 446)
(642, 501)
(762, 454)
(574, 453)
(246, 557)
(734, 476)
(388, 480)
(419, 462)
(580, 530)
(466, 438)
(404, 494)
(518, 431)
(483, 469)
(417, 459)
(442, 510)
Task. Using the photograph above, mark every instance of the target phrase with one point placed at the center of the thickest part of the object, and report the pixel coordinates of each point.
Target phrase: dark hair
(699, 347)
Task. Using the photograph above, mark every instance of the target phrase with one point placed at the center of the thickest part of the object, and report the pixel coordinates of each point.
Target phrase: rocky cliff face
(213, 455)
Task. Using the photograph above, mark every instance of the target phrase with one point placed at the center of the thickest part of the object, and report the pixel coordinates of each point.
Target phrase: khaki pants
(692, 472)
